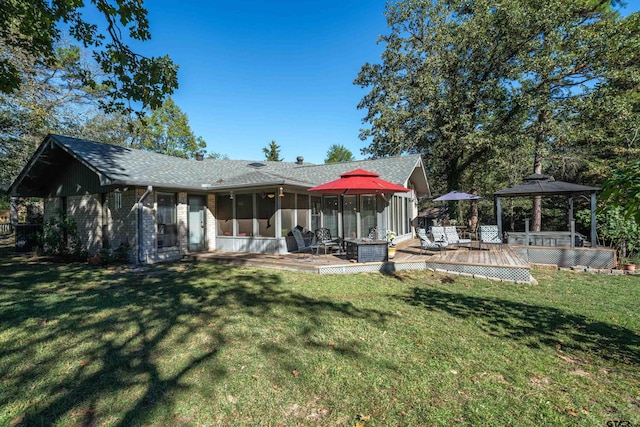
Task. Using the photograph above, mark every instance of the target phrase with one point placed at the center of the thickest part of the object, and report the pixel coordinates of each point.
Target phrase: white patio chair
(489, 235)
(452, 238)
(437, 233)
(426, 244)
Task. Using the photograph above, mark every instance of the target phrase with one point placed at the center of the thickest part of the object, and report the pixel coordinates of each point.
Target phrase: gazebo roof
(543, 185)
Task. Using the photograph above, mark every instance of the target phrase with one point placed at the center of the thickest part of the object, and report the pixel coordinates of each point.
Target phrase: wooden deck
(488, 263)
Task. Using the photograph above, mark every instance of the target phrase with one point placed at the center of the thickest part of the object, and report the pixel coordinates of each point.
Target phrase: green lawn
(200, 344)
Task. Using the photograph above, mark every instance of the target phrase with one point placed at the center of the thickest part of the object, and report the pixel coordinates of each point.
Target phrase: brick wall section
(52, 206)
(210, 222)
(86, 211)
(122, 221)
(149, 250)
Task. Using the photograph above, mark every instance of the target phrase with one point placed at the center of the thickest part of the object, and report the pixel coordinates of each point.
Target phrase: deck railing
(5, 228)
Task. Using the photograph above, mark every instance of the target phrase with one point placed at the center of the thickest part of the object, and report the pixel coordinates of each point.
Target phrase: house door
(196, 223)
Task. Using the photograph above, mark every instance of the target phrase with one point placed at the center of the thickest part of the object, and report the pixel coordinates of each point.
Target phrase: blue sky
(255, 71)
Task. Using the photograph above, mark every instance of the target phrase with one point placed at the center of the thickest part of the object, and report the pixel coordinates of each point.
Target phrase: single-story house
(163, 207)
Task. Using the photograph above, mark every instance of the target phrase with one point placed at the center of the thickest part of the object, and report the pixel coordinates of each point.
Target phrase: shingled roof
(115, 165)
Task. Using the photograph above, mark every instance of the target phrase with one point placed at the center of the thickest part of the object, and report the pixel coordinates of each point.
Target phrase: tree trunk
(473, 221)
(13, 213)
(536, 223)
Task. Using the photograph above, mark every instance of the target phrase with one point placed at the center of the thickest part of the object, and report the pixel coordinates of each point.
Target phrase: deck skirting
(487, 263)
(491, 272)
(568, 257)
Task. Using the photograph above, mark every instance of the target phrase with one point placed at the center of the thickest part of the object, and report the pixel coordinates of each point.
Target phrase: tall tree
(115, 128)
(467, 82)
(36, 27)
(608, 120)
(167, 131)
(439, 85)
(272, 152)
(51, 99)
(338, 153)
(567, 58)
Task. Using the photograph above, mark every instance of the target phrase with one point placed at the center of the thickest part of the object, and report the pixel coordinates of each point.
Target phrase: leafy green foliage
(51, 99)
(473, 85)
(60, 238)
(35, 28)
(615, 228)
(272, 152)
(108, 255)
(167, 131)
(338, 153)
(622, 190)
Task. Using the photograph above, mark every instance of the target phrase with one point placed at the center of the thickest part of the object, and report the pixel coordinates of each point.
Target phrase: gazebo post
(570, 208)
(499, 215)
(594, 236)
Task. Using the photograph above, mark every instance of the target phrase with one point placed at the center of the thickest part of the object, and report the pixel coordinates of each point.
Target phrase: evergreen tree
(338, 153)
(272, 152)
(167, 131)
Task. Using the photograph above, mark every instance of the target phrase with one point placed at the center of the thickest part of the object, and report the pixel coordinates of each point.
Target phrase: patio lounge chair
(426, 244)
(302, 245)
(449, 235)
(437, 233)
(324, 240)
(489, 235)
(452, 238)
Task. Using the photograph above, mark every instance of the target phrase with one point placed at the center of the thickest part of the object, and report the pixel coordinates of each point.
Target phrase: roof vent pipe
(199, 156)
(141, 257)
(299, 160)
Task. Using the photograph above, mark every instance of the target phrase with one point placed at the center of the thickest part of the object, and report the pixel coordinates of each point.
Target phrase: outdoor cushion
(425, 243)
(489, 235)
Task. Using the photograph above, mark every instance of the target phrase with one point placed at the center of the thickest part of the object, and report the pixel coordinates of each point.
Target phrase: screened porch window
(316, 212)
(330, 214)
(287, 212)
(350, 217)
(266, 207)
(244, 214)
(302, 210)
(224, 215)
(368, 214)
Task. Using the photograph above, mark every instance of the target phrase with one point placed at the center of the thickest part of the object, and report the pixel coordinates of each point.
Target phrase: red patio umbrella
(359, 181)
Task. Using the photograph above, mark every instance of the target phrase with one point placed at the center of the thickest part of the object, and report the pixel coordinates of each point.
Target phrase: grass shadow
(108, 326)
(534, 325)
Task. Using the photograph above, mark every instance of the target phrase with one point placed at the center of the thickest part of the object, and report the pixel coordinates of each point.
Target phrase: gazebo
(544, 185)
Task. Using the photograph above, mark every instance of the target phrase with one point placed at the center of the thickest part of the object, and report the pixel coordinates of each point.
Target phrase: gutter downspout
(140, 224)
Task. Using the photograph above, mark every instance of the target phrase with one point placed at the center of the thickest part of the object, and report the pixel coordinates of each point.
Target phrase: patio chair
(373, 234)
(452, 238)
(325, 241)
(489, 235)
(302, 245)
(437, 233)
(426, 244)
